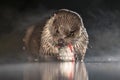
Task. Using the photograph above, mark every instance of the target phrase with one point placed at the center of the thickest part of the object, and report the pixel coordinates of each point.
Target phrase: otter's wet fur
(42, 40)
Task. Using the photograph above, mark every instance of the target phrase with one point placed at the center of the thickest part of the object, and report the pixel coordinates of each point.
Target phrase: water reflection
(55, 71)
(60, 71)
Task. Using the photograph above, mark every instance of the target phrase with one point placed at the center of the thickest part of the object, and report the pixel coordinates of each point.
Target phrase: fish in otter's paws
(62, 36)
(66, 53)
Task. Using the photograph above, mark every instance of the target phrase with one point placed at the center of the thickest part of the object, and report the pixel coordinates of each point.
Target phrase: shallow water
(60, 71)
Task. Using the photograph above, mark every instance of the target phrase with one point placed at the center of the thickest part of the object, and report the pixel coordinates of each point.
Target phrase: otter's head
(66, 27)
(63, 28)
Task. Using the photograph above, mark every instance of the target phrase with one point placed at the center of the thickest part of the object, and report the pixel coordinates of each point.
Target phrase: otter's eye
(57, 31)
(71, 34)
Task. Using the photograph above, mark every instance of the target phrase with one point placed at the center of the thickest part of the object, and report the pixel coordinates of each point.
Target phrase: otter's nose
(61, 42)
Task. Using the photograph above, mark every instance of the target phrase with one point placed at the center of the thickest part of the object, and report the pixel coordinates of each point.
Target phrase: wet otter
(62, 33)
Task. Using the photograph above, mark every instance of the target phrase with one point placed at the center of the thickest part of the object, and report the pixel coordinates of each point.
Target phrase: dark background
(101, 19)
(10, 9)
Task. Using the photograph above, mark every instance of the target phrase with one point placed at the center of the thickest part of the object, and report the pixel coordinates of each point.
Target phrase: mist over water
(104, 34)
(13, 25)
(102, 26)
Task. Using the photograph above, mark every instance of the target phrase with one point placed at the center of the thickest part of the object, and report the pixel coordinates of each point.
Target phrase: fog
(101, 23)
(104, 34)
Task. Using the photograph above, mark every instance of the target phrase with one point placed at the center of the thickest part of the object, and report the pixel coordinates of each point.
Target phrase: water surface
(60, 71)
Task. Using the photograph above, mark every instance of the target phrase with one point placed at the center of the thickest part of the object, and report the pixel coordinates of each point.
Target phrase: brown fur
(64, 24)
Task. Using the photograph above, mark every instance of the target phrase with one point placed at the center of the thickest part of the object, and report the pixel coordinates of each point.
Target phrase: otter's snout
(61, 42)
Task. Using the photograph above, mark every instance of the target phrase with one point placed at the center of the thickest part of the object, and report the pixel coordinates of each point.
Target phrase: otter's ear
(54, 15)
(54, 21)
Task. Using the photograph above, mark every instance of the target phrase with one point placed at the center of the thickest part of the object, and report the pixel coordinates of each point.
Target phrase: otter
(62, 37)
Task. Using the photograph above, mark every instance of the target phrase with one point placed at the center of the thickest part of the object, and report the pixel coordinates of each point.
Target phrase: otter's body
(63, 30)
